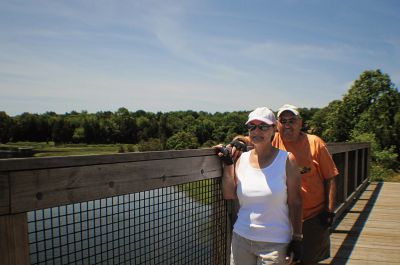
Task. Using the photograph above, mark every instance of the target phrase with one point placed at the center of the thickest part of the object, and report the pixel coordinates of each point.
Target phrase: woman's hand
(224, 154)
(228, 184)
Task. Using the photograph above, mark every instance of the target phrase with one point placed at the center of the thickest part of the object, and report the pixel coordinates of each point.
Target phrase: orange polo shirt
(315, 164)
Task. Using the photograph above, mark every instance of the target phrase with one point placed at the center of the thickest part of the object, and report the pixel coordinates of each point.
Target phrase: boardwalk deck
(369, 232)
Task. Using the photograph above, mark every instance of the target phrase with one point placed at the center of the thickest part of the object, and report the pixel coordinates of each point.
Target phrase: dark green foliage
(6, 125)
(130, 148)
(325, 120)
(370, 106)
(307, 115)
(151, 144)
(370, 111)
(182, 140)
(386, 157)
(121, 149)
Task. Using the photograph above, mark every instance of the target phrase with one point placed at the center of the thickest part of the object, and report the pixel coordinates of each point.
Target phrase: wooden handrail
(35, 183)
(335, 148)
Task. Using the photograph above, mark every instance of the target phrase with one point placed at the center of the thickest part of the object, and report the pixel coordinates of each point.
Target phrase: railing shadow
(344, 252)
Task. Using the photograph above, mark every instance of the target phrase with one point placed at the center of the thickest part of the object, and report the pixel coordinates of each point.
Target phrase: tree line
(369, 111)
(154, 131)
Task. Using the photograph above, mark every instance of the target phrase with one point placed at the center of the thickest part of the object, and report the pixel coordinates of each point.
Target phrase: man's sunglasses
(290, 121)
(262, 126)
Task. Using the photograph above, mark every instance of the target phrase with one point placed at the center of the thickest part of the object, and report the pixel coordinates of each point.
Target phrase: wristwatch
(297, 236)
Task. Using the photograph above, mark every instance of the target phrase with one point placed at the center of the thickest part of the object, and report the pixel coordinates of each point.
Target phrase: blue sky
(206, 55)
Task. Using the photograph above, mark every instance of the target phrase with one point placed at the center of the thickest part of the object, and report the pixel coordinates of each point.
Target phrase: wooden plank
(341, 261)
(14, 245)
(371, 222)
(15, 164)
(365, 253)
(363, 159)
(368, 233)
(335, 148)
(356, 168)
(43, 188)
(4, 193)
(346, 175)
(352, 240)
(369, 230)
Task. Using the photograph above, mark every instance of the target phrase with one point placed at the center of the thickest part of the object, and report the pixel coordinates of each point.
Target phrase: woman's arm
(228, 174)
(229, 183)
(295, 201)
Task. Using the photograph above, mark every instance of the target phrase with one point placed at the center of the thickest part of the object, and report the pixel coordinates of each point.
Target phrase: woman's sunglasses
(262, 126)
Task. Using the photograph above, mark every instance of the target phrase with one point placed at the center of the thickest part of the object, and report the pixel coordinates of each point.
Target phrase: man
(318, 173)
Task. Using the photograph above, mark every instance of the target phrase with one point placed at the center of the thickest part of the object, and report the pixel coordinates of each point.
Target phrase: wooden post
(368, 151)
(14, 243)
(345, 175)
(355, 169)
(363, 165)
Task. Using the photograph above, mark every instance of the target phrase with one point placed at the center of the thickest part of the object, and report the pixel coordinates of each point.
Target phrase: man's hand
(238, 146)
(326, 218)
(295, 248)
(224, 154)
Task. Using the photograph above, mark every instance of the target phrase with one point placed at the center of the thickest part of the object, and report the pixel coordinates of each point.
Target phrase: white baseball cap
(263, 114)
(288, 107)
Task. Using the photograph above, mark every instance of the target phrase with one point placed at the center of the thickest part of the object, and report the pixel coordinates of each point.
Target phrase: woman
(267, 183)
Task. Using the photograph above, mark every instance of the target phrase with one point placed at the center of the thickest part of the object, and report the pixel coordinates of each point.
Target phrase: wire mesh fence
(182, 224)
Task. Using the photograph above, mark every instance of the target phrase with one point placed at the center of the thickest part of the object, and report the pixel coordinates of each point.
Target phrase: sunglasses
(288, 121)
(262, 126)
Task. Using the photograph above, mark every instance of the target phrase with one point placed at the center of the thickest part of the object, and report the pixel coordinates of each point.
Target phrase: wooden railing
(31, 184)
(352, 161)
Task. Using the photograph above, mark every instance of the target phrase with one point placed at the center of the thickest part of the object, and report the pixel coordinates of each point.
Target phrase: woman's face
(260, 132)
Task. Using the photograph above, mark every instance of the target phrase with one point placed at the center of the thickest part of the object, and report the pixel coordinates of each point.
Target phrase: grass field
(50, 149)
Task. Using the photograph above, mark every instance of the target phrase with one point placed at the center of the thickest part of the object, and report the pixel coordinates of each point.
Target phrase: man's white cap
(263, 114)
(287, 107)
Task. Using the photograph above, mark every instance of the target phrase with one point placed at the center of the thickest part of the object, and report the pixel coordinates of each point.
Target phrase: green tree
(151, 144)
(79, 135)
(6, 125)
(380, 119)
(182, 140)
(306, 115)
(127, 128)
(64, 128)
(203, 130)
(29, 127)
(326, 122)
(373, 92)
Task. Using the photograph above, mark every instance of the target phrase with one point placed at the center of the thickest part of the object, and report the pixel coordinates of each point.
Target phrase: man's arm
(330, 202)
(239, 145)
(330, 191)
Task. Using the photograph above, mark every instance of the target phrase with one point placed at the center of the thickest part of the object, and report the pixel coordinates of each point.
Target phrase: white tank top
(263, 214)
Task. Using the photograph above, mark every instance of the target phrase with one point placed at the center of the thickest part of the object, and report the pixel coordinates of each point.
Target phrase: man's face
(289, 126)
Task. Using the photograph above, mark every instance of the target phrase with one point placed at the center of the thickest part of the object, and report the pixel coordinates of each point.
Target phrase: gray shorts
(249, 252)
(316, 241)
